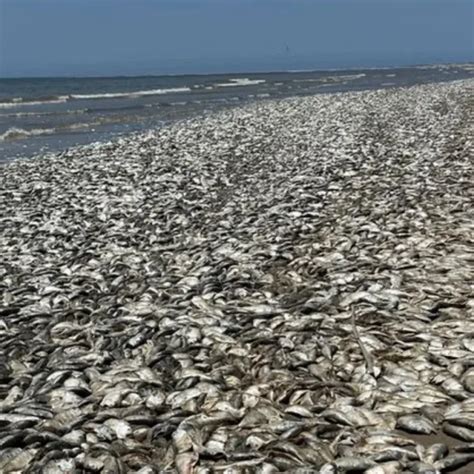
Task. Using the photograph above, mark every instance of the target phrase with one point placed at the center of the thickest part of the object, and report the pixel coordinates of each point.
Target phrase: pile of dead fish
(284, 287)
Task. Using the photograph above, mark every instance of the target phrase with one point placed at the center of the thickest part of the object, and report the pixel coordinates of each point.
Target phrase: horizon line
(274, 71)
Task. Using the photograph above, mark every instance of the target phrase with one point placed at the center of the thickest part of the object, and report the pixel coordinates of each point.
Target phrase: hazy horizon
(236, 71)
(104, 38)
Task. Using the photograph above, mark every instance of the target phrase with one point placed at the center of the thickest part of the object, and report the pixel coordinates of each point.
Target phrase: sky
(134, 37)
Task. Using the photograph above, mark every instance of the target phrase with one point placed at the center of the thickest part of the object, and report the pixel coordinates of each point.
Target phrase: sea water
(56, 113)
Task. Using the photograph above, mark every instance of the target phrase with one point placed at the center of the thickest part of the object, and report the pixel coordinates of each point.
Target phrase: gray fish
(435, 452)
(454, 461)
(354, 463)
(62, 466)
(283, 286)
(16, 459)
(416, 424)
(459, 432)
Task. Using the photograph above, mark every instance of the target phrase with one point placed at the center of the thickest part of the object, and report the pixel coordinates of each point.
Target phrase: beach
(285, 286)
(39, 115)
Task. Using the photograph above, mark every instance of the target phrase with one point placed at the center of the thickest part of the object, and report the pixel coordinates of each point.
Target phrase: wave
(40, 114)
(115, 95)
(245, 81)
(354, 76)
(334, 78)
(296, 71)
(345, 77)
(15, 133)
(20, 102)
(309, 80)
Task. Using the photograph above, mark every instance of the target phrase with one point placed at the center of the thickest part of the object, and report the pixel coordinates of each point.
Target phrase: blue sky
(112, 37)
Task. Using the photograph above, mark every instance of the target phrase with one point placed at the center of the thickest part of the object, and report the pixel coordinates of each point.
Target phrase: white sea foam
(115, 95)
(18, 102)
(331, 80)
(15, 133)
(245, 81)
(38, 114)
(308, 80)
(347, 77)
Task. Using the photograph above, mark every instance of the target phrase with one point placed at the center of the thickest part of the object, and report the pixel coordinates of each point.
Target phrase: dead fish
(185, 462)
(11, 440)
(468, 380)
(65, 421)
(454, 461)
(415, 424)
(113, 466)
(423, 468)
(94, 464)
(348, 464)
(74, 437)
(16, 459)
(62, 466)
(386, 468)
(459, 432)
(209, 297)
(435, 452)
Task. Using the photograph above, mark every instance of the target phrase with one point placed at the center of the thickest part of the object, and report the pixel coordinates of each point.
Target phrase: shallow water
(56, 113)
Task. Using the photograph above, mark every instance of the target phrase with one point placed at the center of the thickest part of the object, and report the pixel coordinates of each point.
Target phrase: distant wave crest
(49, 113)
(245, 81)
(15, 133)
(115, 95)
(20, 102)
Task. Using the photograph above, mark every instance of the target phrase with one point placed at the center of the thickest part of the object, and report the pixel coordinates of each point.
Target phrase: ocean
(51, 114)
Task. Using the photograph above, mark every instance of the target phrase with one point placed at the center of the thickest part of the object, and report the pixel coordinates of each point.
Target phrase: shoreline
(33, 124)
(284, 285)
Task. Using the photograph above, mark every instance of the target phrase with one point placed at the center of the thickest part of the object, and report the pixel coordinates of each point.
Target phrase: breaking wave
(40, 114)
(15, 133)
(115, 95)
(245, 81)
(20, 101)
